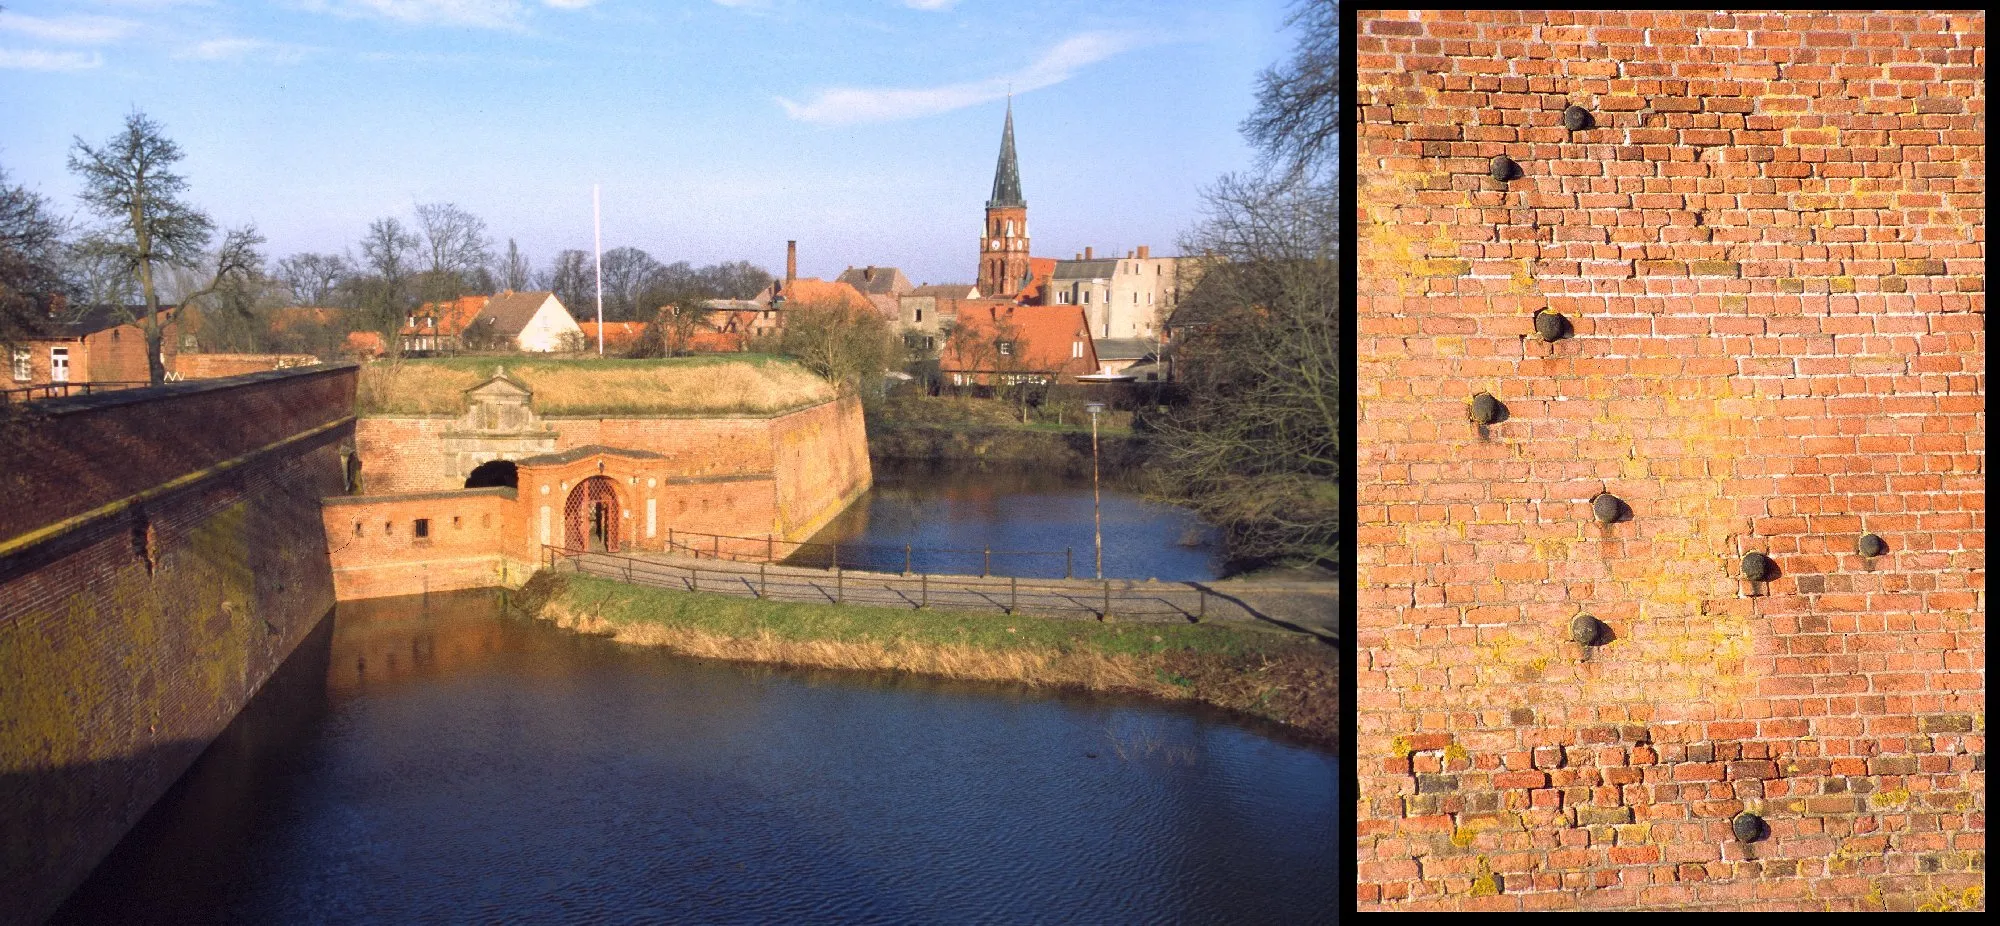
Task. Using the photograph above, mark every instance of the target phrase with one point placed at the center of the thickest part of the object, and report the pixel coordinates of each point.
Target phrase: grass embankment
(736, 384)
(914, 427)
(1274, 676)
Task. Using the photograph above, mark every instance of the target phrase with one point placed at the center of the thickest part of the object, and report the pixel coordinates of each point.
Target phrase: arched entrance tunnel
(494, 473)
(590, 518)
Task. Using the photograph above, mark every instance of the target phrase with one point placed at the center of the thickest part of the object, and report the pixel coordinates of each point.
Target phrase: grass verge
(1277, 677)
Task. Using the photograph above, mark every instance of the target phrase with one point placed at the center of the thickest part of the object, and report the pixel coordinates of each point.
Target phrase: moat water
(442, 761)
(1012, 508)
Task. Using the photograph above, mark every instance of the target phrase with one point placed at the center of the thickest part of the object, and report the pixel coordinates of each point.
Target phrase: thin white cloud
(35, 59)
(239, 49)
(68, 30)
(933, 5)
(849, 105)
(483, 14)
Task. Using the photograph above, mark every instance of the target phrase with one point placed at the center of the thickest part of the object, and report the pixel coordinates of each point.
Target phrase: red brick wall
(375, 552)
(1770, 249)
(120, 667)
(73, 455)
(821, 457)
(215, 366)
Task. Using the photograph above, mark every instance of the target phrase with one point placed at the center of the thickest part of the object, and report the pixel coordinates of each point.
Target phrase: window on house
(454, 521)
(1076, 350)
(357, 528)
(423, 528)
(920, 316)
(1086, 297)
(388, 527)
(1006, 348)
(24, 366)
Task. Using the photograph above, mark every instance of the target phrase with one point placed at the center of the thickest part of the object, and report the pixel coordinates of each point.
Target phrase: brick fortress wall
(1768, 249)
(160, 555)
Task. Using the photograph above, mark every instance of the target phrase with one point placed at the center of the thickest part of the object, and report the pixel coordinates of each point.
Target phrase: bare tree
(388, 253)
(1297, 121)
(571, 278)
(514, 271)
(314, 279)
(630, 275)
(453, 248)
(129, 180)
(31, 253)
(839, 340)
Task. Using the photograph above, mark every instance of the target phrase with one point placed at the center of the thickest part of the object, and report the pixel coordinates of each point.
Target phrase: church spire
(1007, 174)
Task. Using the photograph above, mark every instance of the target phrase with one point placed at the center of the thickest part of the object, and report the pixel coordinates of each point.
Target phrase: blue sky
(865, 129)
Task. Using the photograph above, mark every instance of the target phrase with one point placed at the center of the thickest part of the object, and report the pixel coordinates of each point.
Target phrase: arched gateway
(590, 518)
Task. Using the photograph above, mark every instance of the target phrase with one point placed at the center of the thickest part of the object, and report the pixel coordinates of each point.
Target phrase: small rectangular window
(454, 521)
(1006, 348)
(920, 316)
(388, 527)
(357, 528)
(24, 367)
(423, 528)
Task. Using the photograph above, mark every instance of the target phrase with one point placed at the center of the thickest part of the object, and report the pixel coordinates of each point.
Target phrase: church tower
(1003, 244)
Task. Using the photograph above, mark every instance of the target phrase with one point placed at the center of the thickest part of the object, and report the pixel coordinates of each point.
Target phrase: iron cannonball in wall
(1576, 118)
(1485, 409)
(1871, 545)
(1607, 507)
(1747, 827)
(1550, 326)
(1502, 168)
(1585, 629)
(1757, 567)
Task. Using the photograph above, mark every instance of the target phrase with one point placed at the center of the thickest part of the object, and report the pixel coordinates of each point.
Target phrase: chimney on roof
(1086, 253)
(1079, 256)
(1145, 252)
(1128, 255)
(791, 261)
(869, 274)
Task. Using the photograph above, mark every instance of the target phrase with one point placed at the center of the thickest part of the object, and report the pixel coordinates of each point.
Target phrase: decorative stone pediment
(499, 424)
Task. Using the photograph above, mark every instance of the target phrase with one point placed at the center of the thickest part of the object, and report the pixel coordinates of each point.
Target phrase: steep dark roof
(1007, 174)
(1124, 348)
(943, 290)
(1096, 269)
(875, 281)
(511, 312)
(73, 321)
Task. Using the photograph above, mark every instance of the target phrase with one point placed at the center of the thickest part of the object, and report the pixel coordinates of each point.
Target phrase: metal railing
(1101, 598)
(871, 557)
(48, 391)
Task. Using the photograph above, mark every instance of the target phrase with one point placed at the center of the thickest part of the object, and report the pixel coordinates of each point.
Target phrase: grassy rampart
(733, 384)
(1275, 676)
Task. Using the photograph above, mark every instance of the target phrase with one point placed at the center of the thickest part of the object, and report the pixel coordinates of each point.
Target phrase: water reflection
(441, 762)
(971, 509)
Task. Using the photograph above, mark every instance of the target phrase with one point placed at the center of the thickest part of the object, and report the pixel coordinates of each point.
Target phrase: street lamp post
(1096, 500)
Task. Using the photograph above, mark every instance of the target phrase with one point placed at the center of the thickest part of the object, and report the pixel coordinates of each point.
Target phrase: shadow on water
(439, 761)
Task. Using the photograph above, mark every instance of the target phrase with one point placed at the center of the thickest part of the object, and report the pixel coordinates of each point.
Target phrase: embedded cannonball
(1501, 168)
(1607, 507)
(1747, 826)
(1576, 118)
(1871, 545)
(1485, 409)
(1757, 567)
(1585, 629)
(1549, 325)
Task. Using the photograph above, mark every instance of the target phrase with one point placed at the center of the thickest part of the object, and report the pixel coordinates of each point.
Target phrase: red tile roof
(1040, 269)
(617, 335)
(1046, 336)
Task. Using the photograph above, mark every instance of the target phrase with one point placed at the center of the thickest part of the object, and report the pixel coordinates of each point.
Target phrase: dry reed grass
(587, 387)
(1032, 665)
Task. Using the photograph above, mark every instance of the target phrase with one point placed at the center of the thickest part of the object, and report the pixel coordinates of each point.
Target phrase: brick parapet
(1768, 249)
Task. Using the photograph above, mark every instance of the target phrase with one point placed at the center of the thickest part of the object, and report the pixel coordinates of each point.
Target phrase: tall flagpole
(597, 224)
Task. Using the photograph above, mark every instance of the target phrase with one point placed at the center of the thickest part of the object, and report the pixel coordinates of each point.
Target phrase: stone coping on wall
(588, 450)
(104, 400)
(627, 416)
(339, 501)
